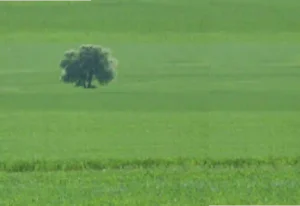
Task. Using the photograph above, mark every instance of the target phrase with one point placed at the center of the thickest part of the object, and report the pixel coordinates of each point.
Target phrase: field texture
(205, 108)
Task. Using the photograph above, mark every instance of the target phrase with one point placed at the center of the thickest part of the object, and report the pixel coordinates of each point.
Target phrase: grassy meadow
(204, 110)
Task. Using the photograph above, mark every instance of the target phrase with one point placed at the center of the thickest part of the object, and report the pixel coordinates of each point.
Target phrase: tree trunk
(89, 80)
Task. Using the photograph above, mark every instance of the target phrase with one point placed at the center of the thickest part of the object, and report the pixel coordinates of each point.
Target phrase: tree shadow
(91, 87)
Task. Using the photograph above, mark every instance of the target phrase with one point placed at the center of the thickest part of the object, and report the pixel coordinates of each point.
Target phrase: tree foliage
(87, 63)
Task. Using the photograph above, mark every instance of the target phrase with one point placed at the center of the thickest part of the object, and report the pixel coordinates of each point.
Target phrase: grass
(173, 186)
(205, 108)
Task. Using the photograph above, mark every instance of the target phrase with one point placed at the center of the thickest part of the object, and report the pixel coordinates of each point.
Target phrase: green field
(205, 108)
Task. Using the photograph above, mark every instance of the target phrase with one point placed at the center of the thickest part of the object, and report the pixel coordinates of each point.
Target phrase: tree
(89, 62)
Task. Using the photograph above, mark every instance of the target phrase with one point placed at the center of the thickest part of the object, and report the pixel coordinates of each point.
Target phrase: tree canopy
(86, 63)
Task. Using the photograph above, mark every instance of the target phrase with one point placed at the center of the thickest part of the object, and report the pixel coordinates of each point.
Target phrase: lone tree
(87, 63)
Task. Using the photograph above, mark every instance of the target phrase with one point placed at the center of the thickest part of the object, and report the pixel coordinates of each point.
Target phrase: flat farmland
(204, 110)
